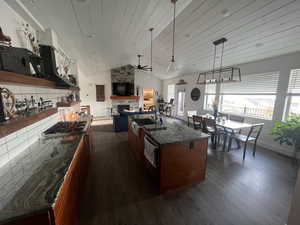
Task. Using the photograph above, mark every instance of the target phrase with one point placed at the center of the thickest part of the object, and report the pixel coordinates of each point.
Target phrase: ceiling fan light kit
(223, 74)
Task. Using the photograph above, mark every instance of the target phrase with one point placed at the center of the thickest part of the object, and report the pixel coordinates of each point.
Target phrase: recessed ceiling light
(258, 45)
(225, 12)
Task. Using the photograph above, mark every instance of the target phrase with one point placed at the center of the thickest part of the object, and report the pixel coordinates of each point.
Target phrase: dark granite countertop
(42, 168)
(171, 131)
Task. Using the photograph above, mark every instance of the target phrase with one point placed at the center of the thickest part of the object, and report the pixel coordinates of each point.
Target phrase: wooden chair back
(197, 122)
(208, 123)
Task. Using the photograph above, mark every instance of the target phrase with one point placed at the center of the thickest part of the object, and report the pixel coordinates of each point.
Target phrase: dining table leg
(225, 140)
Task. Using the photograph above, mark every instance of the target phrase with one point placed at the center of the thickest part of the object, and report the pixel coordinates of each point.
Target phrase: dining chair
(240, 119)
(252, 135)
(209, 126)
(190, 115)
(197, 122)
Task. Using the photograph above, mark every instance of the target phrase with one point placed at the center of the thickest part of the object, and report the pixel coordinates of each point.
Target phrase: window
(180, 105)
(100, 93)
(171, 92)
(209, 96)
(293, 95)
(253, 97)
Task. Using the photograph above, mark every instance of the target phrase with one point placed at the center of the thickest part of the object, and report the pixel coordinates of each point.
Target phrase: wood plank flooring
(120, 192)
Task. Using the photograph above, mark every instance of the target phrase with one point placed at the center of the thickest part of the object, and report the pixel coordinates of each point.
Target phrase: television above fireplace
(123, 89)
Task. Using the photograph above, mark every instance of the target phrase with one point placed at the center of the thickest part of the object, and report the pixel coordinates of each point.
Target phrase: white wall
(87, 85)
(283, 64)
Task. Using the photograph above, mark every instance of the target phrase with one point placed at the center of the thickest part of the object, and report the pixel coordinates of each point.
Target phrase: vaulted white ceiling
(103, 34)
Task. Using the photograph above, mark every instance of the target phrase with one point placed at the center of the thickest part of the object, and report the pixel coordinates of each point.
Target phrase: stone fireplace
(124, 104)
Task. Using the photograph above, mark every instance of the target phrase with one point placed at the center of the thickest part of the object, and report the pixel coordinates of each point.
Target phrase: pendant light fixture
(146, 67)
(172, 66)
(223, 74)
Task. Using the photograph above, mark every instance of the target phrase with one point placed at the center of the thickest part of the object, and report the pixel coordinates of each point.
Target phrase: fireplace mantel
(124, 97)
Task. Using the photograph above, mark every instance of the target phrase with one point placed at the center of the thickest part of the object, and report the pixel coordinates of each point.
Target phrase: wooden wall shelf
(21, 79)
(124, 97)
(15, 78)
(16, 124)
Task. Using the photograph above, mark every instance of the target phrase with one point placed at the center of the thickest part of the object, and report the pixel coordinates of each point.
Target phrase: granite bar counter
(33, 178)
(173, 132)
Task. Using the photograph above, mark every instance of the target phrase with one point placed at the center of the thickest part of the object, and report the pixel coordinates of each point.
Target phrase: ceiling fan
(140, 67)
(146, 67)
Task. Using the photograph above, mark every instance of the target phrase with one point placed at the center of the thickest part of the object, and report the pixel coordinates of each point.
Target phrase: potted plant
(288, 132)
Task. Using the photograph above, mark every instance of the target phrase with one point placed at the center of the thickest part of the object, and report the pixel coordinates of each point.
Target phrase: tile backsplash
(22, 92)
(13, 144)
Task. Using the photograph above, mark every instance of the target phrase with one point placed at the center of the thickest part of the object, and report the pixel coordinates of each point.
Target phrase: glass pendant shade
(172, 67)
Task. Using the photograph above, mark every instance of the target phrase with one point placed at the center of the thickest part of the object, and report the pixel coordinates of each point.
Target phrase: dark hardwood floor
(119, 192)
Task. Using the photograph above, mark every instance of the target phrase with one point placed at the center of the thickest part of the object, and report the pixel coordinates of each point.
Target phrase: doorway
(148, 98)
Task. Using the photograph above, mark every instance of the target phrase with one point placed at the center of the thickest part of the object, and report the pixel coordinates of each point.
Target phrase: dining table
(230, 127)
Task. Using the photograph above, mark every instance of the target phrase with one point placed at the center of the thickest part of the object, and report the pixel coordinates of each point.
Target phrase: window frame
(168, 92)
(206, 95)
(255, 88)
(290, 94)
(245, 114)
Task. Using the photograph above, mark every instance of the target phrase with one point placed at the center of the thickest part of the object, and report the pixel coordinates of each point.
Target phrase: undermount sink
(156, 128)
(144, 121)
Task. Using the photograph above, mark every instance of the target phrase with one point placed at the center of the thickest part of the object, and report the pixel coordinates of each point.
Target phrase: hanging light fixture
(146, 67)
(151, 35)
(172, 66)
(223, 74)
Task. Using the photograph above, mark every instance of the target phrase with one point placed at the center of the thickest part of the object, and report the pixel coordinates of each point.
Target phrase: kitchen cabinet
(136, 141)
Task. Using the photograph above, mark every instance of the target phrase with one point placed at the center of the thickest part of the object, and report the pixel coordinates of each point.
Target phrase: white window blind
(294, 83)
(257, 84)
(210, 89)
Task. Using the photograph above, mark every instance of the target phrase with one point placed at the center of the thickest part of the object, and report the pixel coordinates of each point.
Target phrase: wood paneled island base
(181, 154)
(182, 164)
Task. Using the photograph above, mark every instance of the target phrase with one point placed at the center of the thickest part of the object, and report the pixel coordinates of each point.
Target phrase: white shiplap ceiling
(103, 34)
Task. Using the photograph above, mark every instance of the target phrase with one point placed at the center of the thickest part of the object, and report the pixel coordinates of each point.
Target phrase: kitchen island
(174, 153)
